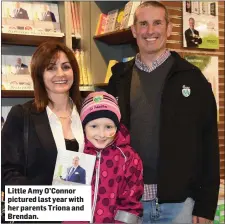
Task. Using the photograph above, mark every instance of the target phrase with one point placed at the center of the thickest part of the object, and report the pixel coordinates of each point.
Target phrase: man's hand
(196, 219)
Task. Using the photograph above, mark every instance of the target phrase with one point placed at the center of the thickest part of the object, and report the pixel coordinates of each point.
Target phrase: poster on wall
(209, 67)
(200, 25)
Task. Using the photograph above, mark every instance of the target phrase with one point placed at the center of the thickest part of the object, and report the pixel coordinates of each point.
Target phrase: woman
(54, 123)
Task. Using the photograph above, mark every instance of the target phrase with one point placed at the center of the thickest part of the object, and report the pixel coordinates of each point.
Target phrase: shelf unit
(33, 40)
(28, 40)
(114, 45)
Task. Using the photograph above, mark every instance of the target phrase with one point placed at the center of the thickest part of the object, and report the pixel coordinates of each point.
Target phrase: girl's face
(58, 76)
(100, 132)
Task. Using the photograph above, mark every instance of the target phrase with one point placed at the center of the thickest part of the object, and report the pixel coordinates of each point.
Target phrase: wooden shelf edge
(30, 93)
(115, 32)
(123, 36)
(27, 40)
(17, 94)
(101, 84)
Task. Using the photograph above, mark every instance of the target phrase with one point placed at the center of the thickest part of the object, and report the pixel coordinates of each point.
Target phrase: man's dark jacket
(22, 14)
(190, 40)
(188, 162)
(50, 16)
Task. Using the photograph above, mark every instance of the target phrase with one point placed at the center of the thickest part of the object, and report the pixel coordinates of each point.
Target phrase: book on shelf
(79, 21)
(195, 7)
(119, 19)
(127, 59)
(133, 8)
(77, 56)
(70, 5)
(84, 69)
(111, 20)
(209, 66)
(73, 168)
(30, 18)
(16, 72)
(101, 24)
(75, 18)
(126, 14)
(109, 71)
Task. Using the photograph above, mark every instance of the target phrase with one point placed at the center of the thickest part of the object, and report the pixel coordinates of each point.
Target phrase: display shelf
(30, 94)
(29, 40)
(86, 88)
(101, 84)
(123, 36)
(17, 94)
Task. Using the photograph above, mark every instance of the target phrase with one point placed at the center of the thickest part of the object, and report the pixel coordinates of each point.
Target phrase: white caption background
(48, 203)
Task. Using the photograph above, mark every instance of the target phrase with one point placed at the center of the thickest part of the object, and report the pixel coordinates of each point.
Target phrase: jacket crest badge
(186, 91)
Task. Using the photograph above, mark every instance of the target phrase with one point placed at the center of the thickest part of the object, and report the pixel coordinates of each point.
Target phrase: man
(76, 173)
(170, 110)
(20, 68)
(47, 15)
(191, 35)
(19, 13)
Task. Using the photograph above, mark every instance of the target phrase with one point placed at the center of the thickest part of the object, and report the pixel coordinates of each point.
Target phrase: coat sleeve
(83, 176)
(188, 38)
(13, 158)
(129, 207)
(111, 88)
(114, 81)
(207, 195)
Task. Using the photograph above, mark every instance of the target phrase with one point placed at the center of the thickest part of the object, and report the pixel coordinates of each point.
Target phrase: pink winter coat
(118, 175)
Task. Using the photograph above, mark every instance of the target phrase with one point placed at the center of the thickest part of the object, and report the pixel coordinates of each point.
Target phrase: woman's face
(58, 75)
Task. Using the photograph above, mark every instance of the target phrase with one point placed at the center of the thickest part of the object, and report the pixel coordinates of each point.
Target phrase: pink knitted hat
(98, 105)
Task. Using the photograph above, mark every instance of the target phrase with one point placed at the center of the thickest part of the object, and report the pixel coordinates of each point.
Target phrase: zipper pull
(157, 204)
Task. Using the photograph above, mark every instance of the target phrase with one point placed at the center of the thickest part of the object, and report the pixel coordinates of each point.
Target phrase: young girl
(117, 183)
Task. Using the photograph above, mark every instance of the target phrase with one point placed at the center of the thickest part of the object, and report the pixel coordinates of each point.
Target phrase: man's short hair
(153, 4)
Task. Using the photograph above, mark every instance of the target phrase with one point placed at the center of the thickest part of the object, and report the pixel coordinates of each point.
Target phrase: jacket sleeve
(13, 158)
(83, 177)
(114, 81)
(207, 195)
(129, 207)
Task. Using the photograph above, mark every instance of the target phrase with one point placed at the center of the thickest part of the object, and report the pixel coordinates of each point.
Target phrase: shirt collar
(142, 66)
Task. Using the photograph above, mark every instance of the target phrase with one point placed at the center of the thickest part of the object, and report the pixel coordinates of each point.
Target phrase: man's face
(45, 7)
(192, 24)
(18, 61)
(17, 5)
(76, 161)
(151, 30)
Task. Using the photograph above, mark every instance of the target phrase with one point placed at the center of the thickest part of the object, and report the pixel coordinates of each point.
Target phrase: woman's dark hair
(40, 61)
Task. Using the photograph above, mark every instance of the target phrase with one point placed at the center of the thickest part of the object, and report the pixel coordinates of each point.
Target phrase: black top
(72, 145)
